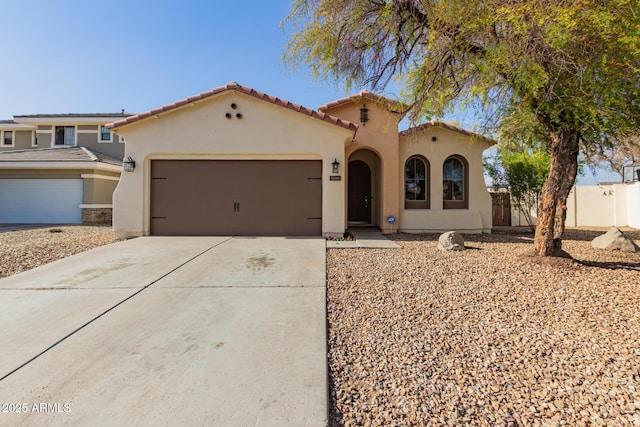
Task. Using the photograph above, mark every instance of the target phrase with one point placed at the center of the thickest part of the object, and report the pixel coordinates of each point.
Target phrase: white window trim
(13, 139)
(100, 141)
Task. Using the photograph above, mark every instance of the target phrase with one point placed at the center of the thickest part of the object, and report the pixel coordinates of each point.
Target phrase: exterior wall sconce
(364, 114)
(129, 164)
(335, 165)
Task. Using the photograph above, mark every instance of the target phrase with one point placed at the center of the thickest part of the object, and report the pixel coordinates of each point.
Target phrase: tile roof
(233, 86)
(7, 122)
(58, 154)
(72, 115)
(439, 124)
(390, 104)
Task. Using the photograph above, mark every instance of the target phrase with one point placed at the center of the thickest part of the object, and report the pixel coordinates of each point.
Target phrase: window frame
(418, 204)
(100, 134)
(13, 139)
(64, 142)
(457, 204)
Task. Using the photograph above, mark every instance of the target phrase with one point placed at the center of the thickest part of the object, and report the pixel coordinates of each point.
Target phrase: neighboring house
(59, 168)
(235, 161)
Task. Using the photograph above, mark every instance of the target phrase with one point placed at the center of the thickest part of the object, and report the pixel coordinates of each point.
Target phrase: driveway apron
(168, 331)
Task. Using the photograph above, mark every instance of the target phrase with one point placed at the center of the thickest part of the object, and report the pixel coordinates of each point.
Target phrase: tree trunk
(565, 189)
(561, 177)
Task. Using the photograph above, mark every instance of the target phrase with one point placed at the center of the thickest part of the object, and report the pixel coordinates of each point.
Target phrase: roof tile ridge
(90, 153)
(242, 89)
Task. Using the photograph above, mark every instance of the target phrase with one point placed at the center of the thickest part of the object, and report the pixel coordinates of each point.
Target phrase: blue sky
(71, 56)
(101, 56)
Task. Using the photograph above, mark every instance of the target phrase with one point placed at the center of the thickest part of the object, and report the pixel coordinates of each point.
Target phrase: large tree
(566, 69)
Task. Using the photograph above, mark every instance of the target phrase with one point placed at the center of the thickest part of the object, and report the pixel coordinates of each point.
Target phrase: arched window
(416, 183)
(455, 183)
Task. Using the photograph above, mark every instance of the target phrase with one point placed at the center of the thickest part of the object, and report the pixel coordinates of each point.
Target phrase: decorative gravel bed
(484, 337)
(26, 249)
(488, 336)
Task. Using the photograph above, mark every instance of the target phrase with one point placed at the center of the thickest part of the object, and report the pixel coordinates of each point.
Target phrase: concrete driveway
(168, 331)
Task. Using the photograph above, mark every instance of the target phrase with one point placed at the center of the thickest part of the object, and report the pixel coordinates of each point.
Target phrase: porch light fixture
(335, 165)
(129, 164)
(364, 114)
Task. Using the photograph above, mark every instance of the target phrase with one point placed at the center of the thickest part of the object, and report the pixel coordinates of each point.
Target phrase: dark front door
(359, 192)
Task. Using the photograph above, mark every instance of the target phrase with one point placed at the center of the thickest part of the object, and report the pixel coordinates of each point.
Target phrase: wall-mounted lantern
(129, 164)
(335, 165)
(364, 114)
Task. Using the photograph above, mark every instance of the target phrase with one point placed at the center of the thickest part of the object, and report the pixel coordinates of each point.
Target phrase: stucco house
(235, 161)
(59, 168)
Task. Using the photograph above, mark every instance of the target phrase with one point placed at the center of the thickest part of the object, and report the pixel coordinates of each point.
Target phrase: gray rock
(614, 240)
(451, 241)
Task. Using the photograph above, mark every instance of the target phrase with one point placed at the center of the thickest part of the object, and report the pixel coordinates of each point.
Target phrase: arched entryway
(363, 188)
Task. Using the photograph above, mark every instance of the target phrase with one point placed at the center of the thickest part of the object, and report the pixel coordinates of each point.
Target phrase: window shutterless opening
(416, 183)
(455, 183)
(65, 135)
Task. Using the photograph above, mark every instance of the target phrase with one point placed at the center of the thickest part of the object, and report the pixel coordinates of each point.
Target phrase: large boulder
(614, 240)
(451, 241)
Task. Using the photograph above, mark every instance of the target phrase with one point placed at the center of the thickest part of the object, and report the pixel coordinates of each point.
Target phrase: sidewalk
(364, 238)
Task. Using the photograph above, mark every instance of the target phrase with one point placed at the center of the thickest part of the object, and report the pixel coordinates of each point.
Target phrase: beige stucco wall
(201, 131)
(591, 206)
(380, 136)
(518, 218)
(45, 139)
(22, 140)
(633, 205)
(604, 205)
(98, 190)
(477, 218)
(90, 141)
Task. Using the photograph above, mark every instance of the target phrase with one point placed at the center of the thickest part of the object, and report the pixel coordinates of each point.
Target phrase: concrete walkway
(169, 331)
(364, 238)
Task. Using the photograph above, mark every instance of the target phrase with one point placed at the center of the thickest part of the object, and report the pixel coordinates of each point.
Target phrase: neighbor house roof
(13, 125)
(75, 118)
(439, 124)
(390, 104)
(58, 154)
(72, 115)
(233, 86)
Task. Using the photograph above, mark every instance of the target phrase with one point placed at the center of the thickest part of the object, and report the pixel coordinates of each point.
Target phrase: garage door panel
(41, 201)
(181, 202)
(211, 197)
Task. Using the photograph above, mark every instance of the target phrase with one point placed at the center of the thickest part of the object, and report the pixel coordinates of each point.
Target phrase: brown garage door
(236, 197)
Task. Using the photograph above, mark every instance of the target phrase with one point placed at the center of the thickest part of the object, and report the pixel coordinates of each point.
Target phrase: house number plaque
(335, 178)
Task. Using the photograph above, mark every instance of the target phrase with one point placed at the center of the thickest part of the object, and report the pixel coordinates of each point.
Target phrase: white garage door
(40, 201)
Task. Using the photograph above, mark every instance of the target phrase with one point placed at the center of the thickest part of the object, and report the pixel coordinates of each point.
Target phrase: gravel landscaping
(22, 250)
(484, 337)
